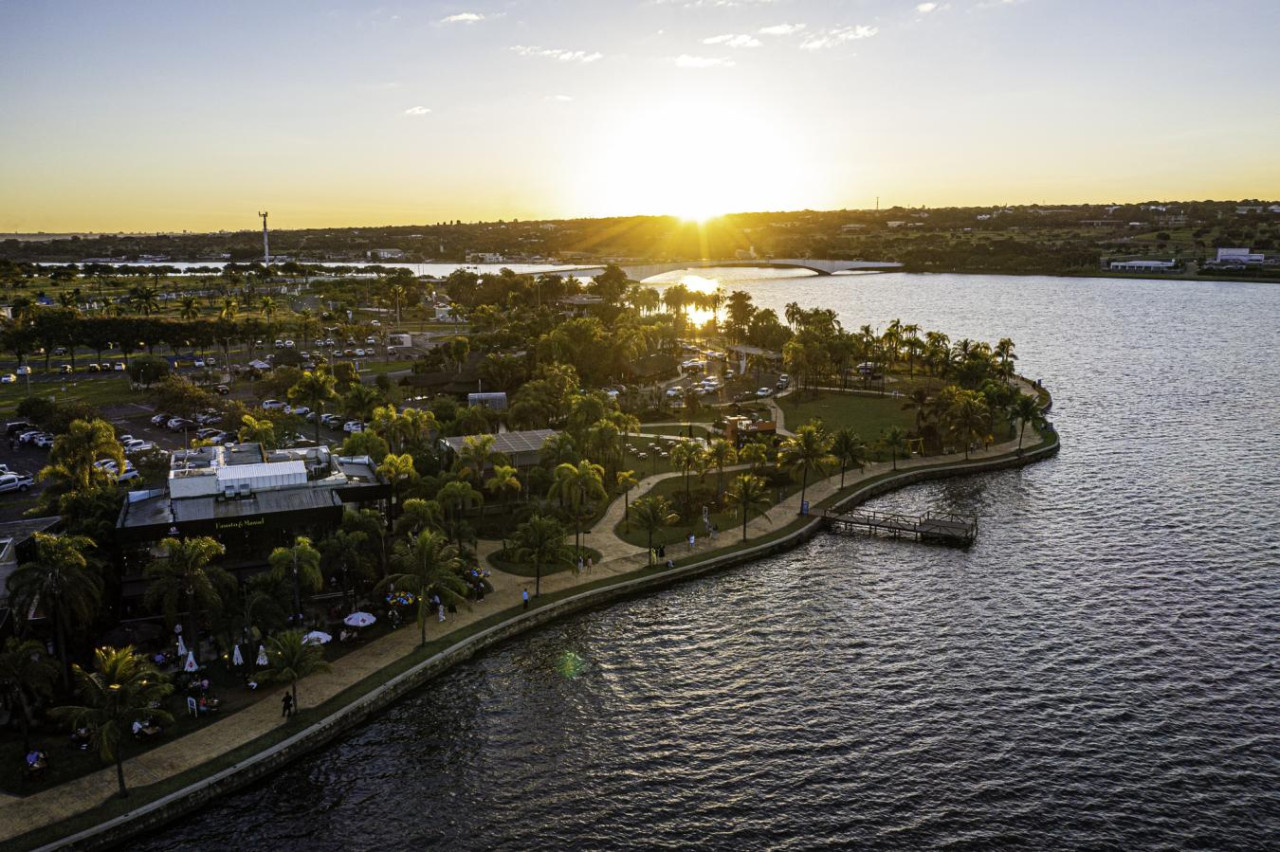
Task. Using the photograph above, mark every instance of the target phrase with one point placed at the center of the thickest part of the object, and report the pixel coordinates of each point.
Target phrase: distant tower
(266, 250)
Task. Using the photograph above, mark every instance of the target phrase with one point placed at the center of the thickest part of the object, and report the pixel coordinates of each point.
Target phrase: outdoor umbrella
(262, 656)
(317, 637)
(182, 648)
(190, 664)
(237, 659)
(359, 619)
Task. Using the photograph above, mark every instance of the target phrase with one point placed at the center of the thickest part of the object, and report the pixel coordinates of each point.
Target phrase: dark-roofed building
(16, 547)
(522, 448)
(249, 500)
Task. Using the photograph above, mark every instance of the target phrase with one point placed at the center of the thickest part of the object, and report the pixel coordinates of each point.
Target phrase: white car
(137, 446)
(119, 367)
(198, 363)
(288, 344)
(24, 370)
(273, 405)
(359, 353)
(370, 341)
(763, 392)
(43, 440)
(161, 419)
(353, 426)
(130, 472)
(16, 482)
(279, 344)
(8, 379)
(300, 410)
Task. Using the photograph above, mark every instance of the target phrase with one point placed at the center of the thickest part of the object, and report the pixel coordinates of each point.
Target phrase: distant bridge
(643, 271)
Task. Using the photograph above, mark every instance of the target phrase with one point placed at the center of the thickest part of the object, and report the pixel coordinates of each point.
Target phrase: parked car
(24, 370)
(16, 481)
(161, 419)
(763, 392)
(208, 418)
(44, 440)
(30, 435)
(359, 353)
(198, 363)
(288, 344)
(222, 390)
(130, 472)
(333, 421)
(93, 368)
(210, 361)
(301, 410)
(370, 341)
(137, 445)
(279, 344)
(272, 405)
(177, 424)
(120, 367)
(206, 434)
(65, 369)
(353, 426)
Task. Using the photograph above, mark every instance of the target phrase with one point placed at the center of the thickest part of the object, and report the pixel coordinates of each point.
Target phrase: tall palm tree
(400, 472)
(417, 515)
(455, 498)
(427, 565)
(747, 493)
(123, 688)
(268, 307)
(257, 430)
(578, 485)
(185, 581)
(360, 401)
(72, 459)
(290, 660)
(189, 308)
(59, 580)
(969, 417)
(475, 455)
(301, 564)
(626, 481)
(314, 389)
(809, 449)
(144, 300)
(345, 551)
(894, 439)
(684, 455)
(652, 514)
(755, 454)
(721, 454)
(847, 446)
(540, 541)
(27, 675)
(919, 402)
(1026, 409)
(503, 483)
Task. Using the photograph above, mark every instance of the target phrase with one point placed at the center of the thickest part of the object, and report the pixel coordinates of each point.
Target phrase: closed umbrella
(316, 637)
(262, 656)
(359, 619)
(190, 664)
(237, 659)
(182, 647)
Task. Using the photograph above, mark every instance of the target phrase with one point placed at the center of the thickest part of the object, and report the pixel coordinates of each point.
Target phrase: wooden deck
(933, 527)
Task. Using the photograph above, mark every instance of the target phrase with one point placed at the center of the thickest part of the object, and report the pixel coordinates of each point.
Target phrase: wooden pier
(933, 527)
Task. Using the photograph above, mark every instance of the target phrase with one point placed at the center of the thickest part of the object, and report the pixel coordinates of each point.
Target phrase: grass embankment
(528, 569)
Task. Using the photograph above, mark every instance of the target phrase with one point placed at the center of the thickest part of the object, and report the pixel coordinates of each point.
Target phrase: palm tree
(72, 459)
(626, 481)
(684, 455)
(747, 493)
(399, 471)
(417, 515)
(919, 402)
(291, 659)
(1026, 409)
(301, 563)
(577, 485)
(721, 454)
(809, 449)
(268, 308)
(344, 550)
(755, 454)
(190, 308)
(969, 415)
(58, 579)
(540, 541)
(26, 676)
(314, 389)
(848, 447)
(144, 300)
(503, 483)
(123, 688)
(894, 439)
(427, 565)
(651, 514)
(360, 401)
(184, 581)
(474, 456)
(257, 430)
(455, 498)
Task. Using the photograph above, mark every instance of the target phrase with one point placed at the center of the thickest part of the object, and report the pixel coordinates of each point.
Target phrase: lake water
(1098, 671)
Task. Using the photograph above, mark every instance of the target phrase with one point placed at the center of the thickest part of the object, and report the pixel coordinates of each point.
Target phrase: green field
(866, 415)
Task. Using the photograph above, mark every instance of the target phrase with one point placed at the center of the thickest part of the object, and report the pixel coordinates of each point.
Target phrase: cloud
(731, 40)
(926, 8)
(558, 54)
(781, 29)
(684, 60)
(560, 98)
(463, 18)
(417, 110)
(719, 4)
(836, 37)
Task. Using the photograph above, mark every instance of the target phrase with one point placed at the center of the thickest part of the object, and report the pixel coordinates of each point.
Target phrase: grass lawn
(727, 520)
(866, 415)
(107, 390)
(699, 430)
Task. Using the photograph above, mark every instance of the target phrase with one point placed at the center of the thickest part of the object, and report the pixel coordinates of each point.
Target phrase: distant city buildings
(1239, 257)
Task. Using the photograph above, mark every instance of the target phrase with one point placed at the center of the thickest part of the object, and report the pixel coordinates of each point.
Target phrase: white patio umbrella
(237, 659)
(316, 637)
(190, 664)
(359, 619)
(182, 647)
(262, 656)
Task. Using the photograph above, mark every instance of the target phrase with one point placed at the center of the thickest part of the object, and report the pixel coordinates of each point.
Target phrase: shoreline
(376, 692)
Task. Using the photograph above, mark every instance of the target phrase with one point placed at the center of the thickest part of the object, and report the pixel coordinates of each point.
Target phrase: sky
(150, 116)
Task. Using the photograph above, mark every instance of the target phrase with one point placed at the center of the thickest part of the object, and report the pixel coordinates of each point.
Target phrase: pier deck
(934, 527)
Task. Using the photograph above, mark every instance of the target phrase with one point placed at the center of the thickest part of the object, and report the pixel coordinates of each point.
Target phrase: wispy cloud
(558, 54)
(464, 18)
(720, 4)
(564, 99)
(926, 8)
(781, 29)
(837, 37)
(731, 40)
(684, 60)
(417, 110)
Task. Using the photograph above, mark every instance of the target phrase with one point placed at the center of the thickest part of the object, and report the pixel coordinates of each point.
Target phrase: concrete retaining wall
(264, 763)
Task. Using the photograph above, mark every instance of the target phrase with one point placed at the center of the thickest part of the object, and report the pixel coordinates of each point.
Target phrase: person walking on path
(286, 705)
(525, 595)
(435, 599)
